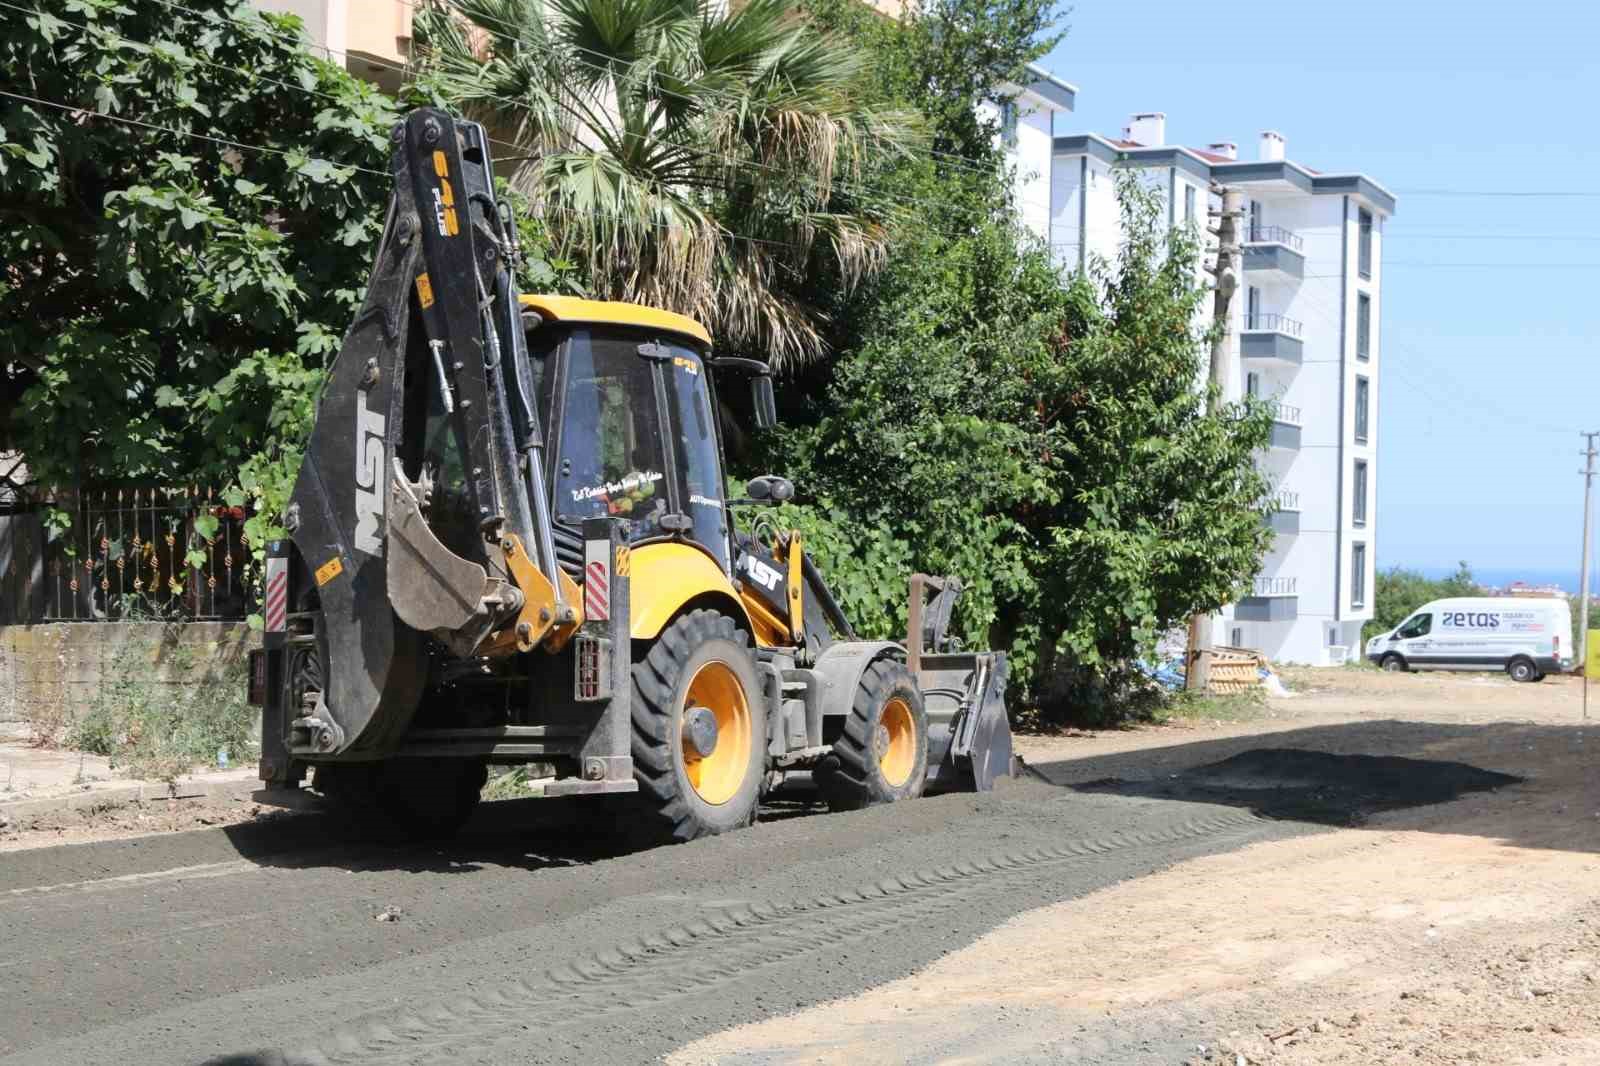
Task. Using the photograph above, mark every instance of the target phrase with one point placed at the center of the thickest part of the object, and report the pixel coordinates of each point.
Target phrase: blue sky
(1489, 372)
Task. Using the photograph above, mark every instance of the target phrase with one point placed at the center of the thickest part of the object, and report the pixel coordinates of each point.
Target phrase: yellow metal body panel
(665, 576)
(1591, 659)
(574, 309)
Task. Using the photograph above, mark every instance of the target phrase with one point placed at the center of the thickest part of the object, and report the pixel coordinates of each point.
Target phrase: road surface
(811, 937)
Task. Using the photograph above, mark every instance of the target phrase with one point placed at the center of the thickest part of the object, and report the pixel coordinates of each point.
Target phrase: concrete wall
(53, 671)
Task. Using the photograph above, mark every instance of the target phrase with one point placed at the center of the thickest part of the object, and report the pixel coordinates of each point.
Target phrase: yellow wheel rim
(897, 742)
(716, 778)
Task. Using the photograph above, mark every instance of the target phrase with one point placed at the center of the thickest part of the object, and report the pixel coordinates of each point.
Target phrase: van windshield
(1418, 626)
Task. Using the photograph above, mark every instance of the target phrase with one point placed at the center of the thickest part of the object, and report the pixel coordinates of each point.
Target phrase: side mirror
(763, 402)
(769, 488)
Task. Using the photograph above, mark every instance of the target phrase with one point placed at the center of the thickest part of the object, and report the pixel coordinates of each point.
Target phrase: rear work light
(258, 677)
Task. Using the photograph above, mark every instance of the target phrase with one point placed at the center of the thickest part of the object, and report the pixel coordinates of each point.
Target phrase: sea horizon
(1501, 576)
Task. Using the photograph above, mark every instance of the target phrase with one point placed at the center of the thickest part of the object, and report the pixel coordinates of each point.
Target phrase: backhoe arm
(420, 505)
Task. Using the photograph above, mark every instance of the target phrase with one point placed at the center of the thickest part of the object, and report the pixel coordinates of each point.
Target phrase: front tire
(699, 729)
(882, 755)
(1522, 670)
(1393, 663)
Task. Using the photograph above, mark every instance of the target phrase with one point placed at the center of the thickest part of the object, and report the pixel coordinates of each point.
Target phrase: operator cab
(630, 417)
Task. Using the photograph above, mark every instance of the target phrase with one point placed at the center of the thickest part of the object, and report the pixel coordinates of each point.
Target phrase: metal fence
(131, 553)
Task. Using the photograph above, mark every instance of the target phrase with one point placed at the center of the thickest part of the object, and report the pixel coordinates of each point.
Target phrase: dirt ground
(1462, 931)
(126, 820)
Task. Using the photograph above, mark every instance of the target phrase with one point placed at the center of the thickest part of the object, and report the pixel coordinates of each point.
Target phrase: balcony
(1273, 599)
(1285, 425)
(1284, 518)
(1272, 253)
(1272, 338)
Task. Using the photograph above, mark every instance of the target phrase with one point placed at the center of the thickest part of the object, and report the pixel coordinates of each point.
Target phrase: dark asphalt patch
(1314, 786)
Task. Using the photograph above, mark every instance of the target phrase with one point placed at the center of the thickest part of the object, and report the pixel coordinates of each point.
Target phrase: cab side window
(1419, 626)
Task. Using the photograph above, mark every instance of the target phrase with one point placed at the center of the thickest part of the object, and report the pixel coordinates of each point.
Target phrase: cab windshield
(630, 450)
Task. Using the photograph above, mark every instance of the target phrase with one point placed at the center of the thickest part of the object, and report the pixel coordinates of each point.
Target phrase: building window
(1008, 123)
(1236, 637)
(1252, 384)
(1358, 510)
(1255, 220)
(1188, 203)
(1363, 326)
(1358, 575)
(1363, 398)
(1365, 257)
(1252, 308)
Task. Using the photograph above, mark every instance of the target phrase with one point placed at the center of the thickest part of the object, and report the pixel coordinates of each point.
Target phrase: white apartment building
(1026, 122)
(1304, 335)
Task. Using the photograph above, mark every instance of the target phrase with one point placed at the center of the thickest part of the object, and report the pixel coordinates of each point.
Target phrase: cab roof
(575, 309)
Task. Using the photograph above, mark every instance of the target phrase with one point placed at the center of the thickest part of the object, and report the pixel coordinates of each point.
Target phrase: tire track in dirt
(688, 960)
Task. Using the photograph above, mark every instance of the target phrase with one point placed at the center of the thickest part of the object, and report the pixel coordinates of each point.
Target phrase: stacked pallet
(1235, 669)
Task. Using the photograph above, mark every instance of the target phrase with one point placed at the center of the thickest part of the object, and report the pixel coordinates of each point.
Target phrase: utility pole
(1197, 674)
(1581, 652)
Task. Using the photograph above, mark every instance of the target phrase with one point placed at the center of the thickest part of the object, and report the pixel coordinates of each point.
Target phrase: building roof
(574, 309)
(1208, 165)
(1063, 94)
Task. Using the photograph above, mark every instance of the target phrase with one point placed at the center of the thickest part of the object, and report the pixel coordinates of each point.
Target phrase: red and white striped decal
(596, 592)
(276, 607)
(597, 580)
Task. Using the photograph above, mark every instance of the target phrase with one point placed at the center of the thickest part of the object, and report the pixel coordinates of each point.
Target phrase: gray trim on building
(1355, 185)
(1278, 257)
(1086, 144)
(1285, 522)
(1242, 172)
(1267, 609)
(1270, 344)
(1338, 501)
(1062, 94)
(1083, 213)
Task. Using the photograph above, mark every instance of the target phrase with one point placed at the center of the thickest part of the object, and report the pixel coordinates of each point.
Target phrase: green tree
(190, 212)
(186, 236)
(1398, 591)
(1050, 444)
(688, 157)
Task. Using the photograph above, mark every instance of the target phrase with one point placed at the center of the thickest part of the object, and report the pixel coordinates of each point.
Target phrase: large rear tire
(699, 729)
(882, 755)
(402, 800)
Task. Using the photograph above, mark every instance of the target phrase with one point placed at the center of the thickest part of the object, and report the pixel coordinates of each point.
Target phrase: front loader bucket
(982, 745)
(969, 732)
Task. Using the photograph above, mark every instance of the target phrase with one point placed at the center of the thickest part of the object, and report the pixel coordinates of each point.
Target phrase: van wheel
(1522, 670)
(1392, 663)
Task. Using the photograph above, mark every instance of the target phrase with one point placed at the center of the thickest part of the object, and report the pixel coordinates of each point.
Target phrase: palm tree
(690, 157)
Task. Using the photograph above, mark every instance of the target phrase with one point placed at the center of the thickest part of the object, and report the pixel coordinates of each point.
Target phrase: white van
(1527, 638)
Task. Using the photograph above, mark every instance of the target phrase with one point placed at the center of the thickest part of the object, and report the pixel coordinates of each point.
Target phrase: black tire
(1393, 663)
(1522, 669)
(682, 798)
(401, 800)
(864, 770)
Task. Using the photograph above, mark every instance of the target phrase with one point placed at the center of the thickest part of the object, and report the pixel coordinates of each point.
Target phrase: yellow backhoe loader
(510, 543)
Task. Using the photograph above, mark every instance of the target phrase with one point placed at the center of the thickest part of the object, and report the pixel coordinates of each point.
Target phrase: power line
(955, 161)
(1522, 193)
(244, 145)
(248, 147)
